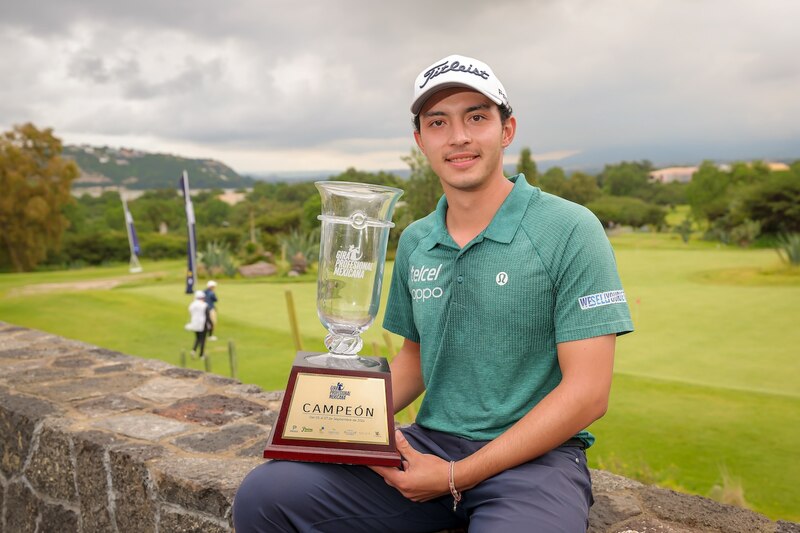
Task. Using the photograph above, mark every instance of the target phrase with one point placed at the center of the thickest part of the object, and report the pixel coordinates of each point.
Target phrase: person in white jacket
(197, 323)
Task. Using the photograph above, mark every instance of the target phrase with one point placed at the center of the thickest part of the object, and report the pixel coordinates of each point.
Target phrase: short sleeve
(590, 301)
(399, 316)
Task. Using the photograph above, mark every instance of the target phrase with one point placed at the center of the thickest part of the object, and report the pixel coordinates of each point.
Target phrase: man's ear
(509, 130)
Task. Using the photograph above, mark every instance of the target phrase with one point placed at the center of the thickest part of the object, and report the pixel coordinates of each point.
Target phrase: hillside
(134, 169)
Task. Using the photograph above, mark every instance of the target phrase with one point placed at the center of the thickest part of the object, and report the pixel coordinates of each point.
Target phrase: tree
(627, 211)
(423, 189)
(774, 203)
(35, 183)
(708, 192)
(360, 176)
(554, 181)
(580, 188)
(526, 165)
(626, 178)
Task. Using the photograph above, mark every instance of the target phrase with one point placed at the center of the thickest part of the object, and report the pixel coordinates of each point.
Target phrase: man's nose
(459, 134)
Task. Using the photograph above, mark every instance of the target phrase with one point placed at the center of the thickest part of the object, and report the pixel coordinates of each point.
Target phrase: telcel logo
(425, 273)
(421, 274)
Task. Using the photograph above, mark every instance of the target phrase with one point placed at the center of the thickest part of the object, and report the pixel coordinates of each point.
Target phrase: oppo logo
(426, 293)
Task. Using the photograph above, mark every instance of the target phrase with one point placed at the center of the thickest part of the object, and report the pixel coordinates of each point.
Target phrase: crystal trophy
(337, 406)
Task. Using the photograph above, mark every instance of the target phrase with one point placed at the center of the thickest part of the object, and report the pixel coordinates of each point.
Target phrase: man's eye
(437, 123)
(477, 118)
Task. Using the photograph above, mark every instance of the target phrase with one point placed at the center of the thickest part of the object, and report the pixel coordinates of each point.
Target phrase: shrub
(789, 248)
(627, 212)
(93, 248)
(301, 248)
(157, 246)
(684, 229)
(217, 259)
(746, 233)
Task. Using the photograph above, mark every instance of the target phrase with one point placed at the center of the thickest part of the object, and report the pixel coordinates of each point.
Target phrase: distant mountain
(134, 169)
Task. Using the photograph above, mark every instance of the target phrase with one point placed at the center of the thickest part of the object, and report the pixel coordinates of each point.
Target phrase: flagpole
(191, 270)
(134, 265)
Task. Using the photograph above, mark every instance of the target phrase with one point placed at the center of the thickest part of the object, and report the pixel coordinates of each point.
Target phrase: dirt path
(85, 285)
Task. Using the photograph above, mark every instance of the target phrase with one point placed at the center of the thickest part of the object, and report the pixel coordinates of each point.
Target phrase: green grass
(705, 391)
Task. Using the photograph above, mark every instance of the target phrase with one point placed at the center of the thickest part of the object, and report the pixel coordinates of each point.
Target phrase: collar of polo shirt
(503, 226)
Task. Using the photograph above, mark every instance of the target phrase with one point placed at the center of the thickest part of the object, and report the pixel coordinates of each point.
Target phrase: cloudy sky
(270, 86)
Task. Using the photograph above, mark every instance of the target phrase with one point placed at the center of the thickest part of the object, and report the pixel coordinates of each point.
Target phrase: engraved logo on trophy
(340, 399)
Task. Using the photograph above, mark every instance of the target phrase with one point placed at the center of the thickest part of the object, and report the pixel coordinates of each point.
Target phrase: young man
(514, 349)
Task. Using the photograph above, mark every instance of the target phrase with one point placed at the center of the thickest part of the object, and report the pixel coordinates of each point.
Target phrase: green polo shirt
(488, 316)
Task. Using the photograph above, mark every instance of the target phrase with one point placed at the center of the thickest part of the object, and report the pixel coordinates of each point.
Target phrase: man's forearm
(407, 382)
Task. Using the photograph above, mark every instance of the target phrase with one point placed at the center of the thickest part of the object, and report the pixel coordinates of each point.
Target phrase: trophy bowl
(338, 406)
(356, 219)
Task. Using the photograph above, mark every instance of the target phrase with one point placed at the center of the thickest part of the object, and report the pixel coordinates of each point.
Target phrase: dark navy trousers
(552, 493)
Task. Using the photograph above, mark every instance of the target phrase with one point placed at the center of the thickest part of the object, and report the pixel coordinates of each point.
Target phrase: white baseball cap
(211, 283)
(199, 295)
(457, 71)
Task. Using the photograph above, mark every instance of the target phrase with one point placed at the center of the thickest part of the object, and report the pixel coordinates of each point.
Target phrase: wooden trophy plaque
(336, 412)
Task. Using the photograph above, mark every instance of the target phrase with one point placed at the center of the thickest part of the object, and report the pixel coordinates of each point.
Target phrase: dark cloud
(259, 75)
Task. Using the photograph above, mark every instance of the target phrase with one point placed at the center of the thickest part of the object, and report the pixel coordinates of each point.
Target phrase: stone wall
(97, 441)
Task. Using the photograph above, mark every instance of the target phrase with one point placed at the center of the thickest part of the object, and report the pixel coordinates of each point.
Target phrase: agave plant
(300, 248)
(789, 248)
(217, 259)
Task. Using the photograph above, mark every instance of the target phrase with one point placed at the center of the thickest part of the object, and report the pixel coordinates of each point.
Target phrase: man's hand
(424, 477)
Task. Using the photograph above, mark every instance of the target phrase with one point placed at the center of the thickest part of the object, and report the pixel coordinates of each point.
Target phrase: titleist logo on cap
(457, 71)
(455, 66)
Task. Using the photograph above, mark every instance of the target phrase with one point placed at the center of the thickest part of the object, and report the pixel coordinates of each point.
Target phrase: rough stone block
(108, 369)
(165, 390)
(23, 379)
(176, 522)
(21, 508)
(699, 512)
(200, 484)
(74, 361)
(211, 410)
(108, 405)
(254, 451)
(6, 328)
(18, 417)
(221, 380)
(82, 388)
(58, 518)
(3, 486)
(109, 355)
(787, 527)
(268, 418)
(183, 373)
(221, 440)
(646, 524)
(603, 481)
(50, 470)
(612, 508)
(134, 499)
(92, 476)
(142, 426)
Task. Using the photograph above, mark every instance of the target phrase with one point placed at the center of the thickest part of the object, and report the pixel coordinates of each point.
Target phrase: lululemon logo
(501, 278)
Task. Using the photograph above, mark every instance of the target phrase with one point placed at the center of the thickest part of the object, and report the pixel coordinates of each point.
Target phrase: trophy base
(336, 409)
(344, 362)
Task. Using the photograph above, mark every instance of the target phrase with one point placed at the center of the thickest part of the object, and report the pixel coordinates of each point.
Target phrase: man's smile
(461, 158)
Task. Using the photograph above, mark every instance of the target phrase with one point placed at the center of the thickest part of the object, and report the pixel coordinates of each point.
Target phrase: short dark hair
(505, 114)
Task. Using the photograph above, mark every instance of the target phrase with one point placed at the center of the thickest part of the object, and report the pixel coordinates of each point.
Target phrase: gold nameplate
(338, 408)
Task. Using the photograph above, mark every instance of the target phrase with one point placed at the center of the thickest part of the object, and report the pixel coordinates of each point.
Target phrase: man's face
(463, 137)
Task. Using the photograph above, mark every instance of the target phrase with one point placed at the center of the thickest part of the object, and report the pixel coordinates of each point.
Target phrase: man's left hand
(423, 477)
